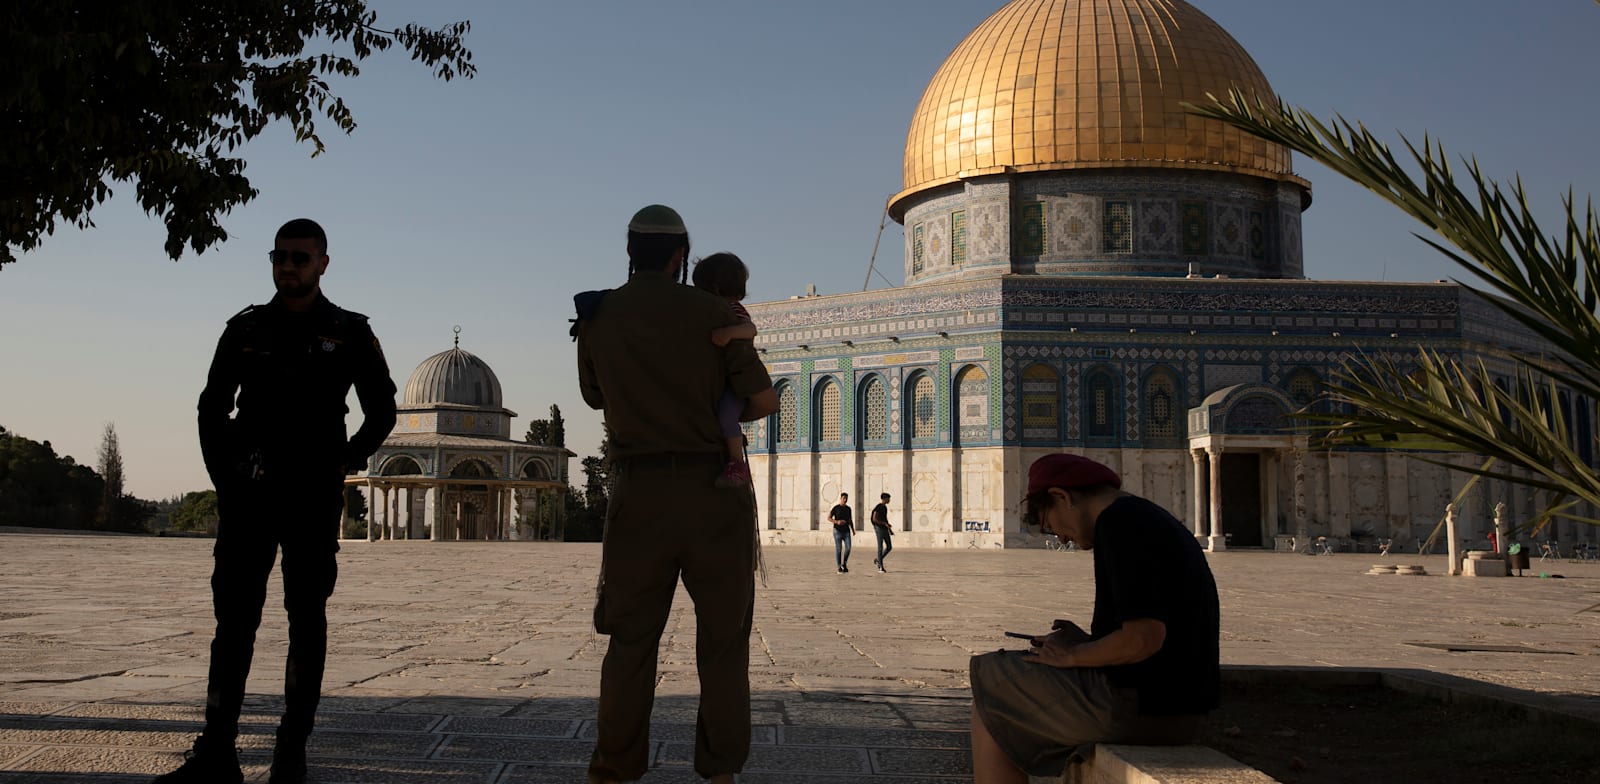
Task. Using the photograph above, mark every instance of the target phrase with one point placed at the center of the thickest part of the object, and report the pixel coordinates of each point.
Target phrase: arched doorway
(469, 507)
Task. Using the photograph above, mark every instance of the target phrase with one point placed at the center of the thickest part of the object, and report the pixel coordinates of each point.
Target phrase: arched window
(401, 466)
(972, 405)
(787, 416)
(874, 410)
(471, 469)
(1303, 386)
(922, 418)
(535, 470)
(1100, 406)
(1162, 406)
(1041, 404)
(827, 413)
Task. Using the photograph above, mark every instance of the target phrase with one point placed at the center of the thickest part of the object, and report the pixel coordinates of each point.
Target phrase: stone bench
(1113, 764)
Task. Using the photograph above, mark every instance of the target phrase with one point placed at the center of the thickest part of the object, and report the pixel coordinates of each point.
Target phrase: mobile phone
(1020, 635)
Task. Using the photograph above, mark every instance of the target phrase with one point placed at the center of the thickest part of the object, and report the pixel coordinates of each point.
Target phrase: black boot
(207, 763)
(288, 762)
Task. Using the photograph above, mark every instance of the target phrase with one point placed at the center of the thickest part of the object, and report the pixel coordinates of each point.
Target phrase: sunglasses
(298, 258)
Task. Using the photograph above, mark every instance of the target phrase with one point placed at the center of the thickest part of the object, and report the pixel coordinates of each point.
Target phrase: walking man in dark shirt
(645, 357)
(844, 529)
(1147, 670)
(279, 467)
(880, 528)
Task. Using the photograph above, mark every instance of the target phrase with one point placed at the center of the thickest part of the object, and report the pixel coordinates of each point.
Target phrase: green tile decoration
(916, 248)
(1117, 236)
(1031, 228)
(1196, 229)
(997, 405)
(958, 238)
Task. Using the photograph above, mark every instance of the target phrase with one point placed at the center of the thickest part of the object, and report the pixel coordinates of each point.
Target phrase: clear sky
(777, 130)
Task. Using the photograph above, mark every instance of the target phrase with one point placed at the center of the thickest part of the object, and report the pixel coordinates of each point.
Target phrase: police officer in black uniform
(279, 468)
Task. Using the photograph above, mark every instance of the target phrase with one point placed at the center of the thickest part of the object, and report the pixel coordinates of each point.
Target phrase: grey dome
(453, 376)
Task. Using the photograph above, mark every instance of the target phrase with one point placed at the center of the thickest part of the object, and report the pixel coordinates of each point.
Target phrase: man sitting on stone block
(1147, 670)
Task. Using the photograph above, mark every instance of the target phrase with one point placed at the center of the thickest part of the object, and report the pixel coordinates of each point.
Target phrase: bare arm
(1137, 640)
(761, 404)
(744, 330)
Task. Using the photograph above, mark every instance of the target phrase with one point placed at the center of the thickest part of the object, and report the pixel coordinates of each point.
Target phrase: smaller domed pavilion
(450, 470)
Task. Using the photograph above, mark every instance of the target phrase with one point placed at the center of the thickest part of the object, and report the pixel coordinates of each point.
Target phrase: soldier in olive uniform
(279, 469)
(645, 357)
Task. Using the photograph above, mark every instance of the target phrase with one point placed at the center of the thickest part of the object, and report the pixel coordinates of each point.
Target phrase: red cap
(1066, 471)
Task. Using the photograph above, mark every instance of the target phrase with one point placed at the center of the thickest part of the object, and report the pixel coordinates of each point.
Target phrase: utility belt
(670, 460)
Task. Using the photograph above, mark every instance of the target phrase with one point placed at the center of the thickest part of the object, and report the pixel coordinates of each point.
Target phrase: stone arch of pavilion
(1239, 437)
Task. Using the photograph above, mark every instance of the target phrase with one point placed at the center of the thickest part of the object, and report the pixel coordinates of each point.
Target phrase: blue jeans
(885, 541)
(842, 534)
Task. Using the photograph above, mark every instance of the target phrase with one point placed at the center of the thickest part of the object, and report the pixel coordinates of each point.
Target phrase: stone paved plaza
(474, 662)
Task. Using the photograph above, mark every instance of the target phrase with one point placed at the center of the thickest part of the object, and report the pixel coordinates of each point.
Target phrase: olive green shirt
(646, 358)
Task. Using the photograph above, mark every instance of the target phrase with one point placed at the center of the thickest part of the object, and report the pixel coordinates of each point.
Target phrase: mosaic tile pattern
(1118, 228)
(972, 406)
(1196, 229)
(1031, 229)
(1229, 238)
(1075, 223)
(1158, 233)
(918, 248)
(1041, 403)
(936, 242)
(1130, 400)
(990, 232)
(958, 238)
(993, 354)
(1256, 235)
(1162, 406)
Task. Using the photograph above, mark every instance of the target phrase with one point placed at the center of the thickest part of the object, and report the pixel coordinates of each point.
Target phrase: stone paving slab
(474, 662)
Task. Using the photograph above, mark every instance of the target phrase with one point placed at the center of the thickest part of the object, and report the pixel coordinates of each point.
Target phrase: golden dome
(1048, 85)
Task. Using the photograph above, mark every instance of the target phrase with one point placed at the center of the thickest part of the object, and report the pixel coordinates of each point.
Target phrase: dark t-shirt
(841, 514)
(880, 514)
(1147, 565)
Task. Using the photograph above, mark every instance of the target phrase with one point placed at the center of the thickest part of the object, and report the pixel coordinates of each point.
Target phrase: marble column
(1218, 540)
(1197, 494)
(383, 506)
(1272, 463)
(432, 512)
(1302, 516)
(1454, 545)
(372, 514)
(508, 515)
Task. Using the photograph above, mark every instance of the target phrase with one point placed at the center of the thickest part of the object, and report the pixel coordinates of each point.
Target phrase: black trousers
(257, 518)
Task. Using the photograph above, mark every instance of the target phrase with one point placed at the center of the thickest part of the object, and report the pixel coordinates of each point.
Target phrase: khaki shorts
(1040, 716)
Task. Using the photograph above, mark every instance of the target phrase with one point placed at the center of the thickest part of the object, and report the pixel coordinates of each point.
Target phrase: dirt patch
(1336, 735)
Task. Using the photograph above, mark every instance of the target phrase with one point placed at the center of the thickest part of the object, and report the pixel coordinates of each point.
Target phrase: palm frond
(1548, 283)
